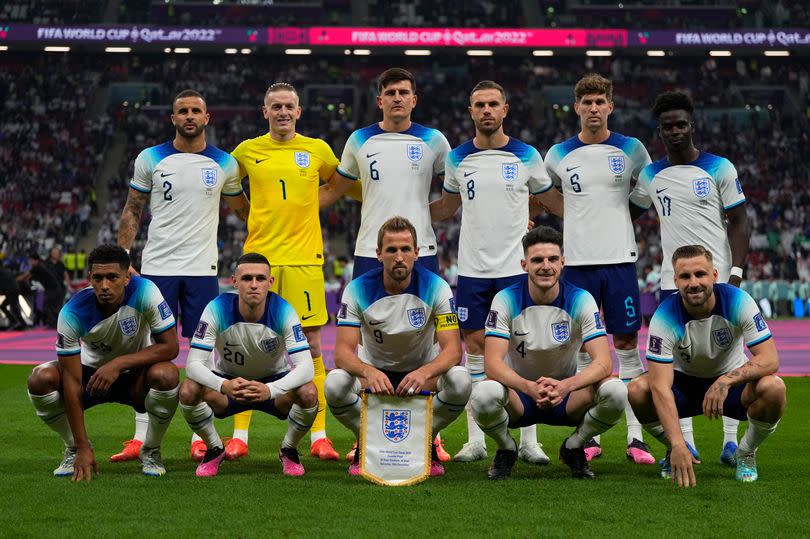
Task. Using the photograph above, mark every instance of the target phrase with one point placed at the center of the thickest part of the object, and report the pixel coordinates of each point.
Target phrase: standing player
(284, 169)
(595, 169)
(492, 177)
(115, 343)
(251, 331)
(400, 311)
(534, 330)
(697, 366)
(699, 200)
(395, 161)
(183, 181)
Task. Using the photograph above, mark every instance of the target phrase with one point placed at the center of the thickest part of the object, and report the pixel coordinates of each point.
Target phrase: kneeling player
(533, 333)
(115, 343)
(251, 330)
(697, 365)
(398, 310)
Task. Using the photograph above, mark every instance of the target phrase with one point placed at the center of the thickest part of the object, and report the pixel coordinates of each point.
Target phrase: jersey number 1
(283, 189)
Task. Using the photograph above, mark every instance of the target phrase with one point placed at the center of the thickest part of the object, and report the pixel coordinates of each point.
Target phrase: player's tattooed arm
(131, 217)
(765, 361)
(240, 205)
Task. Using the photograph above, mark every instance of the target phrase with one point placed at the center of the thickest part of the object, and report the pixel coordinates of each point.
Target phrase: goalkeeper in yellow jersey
(284, 169)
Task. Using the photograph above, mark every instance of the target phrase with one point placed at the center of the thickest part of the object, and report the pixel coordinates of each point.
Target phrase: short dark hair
(108, 253)
(189, 93)
(691, 251)
(593, 84)
(252, 258)
(396, 224)
(395, 74)
(281, 87)
(542, 234)
(488, 85)
(672, 101)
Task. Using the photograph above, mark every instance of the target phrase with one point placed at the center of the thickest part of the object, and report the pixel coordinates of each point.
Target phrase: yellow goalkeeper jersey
(284, 179)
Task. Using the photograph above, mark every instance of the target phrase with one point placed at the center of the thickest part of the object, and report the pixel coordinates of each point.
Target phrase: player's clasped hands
(682, 462)
(376, 381)
(246, 391)
(552, 391)
(714, 399)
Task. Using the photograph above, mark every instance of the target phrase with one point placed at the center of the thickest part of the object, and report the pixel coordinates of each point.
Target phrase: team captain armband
(446, 321)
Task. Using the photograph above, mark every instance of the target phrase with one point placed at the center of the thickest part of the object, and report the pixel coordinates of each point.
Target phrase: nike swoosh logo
(569, 169)
(519, 334)
(261, 160)
(162, 175)
(470, 173)
(371, 154)
(658, 191)
(307, 317)
(232, 343)
(628, 324)
(375, 322)
(683, 347)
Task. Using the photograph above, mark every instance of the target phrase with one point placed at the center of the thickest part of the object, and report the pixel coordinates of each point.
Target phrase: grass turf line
(251, 498)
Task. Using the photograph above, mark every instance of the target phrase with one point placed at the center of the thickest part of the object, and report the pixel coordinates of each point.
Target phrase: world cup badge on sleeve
(396, 424)
(560, 331)
(616, 164)
(302, 159)
(209, 177)
(414, 152)
(509, 171)
(129, 326)
(722, 337)
(417, 317)
(701, 187)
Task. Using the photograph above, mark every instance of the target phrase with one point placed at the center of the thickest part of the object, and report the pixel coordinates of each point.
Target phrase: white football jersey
(494, 186)
(544, 339)
(396, 170)
(708, 347)
(249, 350)
(595, 181)
(691, 201)
(185, 189)
(82, 328)
(398, 330)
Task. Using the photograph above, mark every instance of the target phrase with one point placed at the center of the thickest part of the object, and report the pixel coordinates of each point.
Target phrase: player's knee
(338, 384)
(163, 376)
(306, 396)
(457, 385)
(612, 393)
(638, 392)
(191, 392)
(772, 390)
(43, 379)
(486, 397)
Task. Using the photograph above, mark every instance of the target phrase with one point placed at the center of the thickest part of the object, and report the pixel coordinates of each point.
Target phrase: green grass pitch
(251, 498)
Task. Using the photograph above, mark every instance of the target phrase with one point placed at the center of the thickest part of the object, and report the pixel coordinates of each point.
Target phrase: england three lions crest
(209, 177)
(302, 159)
(560, 331)
(616, 164)
(129, 326)
(509, 171)
(396, 424)
(268, 345)
(722, 337)
(417, 317)
(414, 152)
(701, 187)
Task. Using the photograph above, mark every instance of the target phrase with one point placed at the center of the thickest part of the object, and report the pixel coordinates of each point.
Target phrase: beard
(706, 293)
(185, 134)
(488, 130)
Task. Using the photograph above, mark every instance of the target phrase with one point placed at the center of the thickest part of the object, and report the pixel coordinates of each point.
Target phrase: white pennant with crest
(395, 438)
